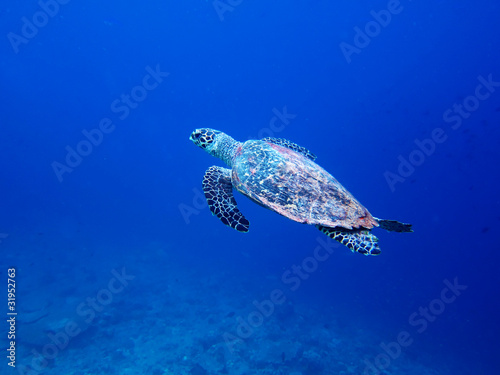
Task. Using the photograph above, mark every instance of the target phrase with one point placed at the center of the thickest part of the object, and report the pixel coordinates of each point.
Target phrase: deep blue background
(357, 117)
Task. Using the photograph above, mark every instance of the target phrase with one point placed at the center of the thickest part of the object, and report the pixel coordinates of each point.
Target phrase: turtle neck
(225, 148)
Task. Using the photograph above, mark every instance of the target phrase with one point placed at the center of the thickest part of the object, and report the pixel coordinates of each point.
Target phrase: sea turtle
(283, 177)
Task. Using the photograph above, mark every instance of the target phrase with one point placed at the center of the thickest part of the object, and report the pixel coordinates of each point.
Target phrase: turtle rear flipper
(359, 240)
(394, 226)
(218, 191)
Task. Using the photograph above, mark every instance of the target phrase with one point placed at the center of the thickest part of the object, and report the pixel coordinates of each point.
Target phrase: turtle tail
(359, 240)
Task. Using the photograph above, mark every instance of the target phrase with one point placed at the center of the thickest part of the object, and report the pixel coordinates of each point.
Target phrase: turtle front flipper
(393, 225)
(218, 191)
(292, 146)
(359, 240)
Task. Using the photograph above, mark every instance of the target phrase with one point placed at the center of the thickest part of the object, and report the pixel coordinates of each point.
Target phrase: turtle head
(205, 138)
(216, 143)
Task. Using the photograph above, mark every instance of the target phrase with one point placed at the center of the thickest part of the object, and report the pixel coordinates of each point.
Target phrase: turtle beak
(194, 135)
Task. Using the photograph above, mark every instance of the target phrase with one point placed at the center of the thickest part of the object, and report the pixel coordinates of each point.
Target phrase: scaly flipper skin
(218, 191)
(292, 146)
(359, 240)
(394, 226)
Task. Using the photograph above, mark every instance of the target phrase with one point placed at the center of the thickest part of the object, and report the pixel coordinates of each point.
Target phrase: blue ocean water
(117, 265)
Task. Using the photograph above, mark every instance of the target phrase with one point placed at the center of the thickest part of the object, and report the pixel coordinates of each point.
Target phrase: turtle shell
(296, 187)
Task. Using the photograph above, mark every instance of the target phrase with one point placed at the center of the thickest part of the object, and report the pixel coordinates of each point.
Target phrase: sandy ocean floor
(133, 317)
